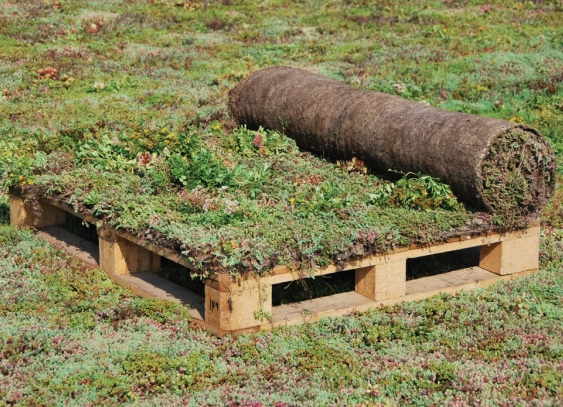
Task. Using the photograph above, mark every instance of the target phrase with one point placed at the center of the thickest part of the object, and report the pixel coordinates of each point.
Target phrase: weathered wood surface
(347, 303)
(148, 284)
(85, 251)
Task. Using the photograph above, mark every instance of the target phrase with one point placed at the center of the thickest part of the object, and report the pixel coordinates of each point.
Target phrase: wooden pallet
(244, 304)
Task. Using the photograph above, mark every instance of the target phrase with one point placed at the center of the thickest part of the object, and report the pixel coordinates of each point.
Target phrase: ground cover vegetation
(70, 337)
(120, 109)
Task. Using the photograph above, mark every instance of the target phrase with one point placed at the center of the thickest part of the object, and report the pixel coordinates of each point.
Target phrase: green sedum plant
(416, 191)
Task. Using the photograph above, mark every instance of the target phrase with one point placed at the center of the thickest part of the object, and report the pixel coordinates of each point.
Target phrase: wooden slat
(150, 285)
(471, 277)
(313, 310)
(80, 248)
(144, 284)
(346, 303)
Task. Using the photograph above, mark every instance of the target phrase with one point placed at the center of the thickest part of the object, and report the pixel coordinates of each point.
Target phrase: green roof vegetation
(120, 110)
(91, 93)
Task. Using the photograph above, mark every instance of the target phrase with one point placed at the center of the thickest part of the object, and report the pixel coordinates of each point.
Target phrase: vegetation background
(73, 69)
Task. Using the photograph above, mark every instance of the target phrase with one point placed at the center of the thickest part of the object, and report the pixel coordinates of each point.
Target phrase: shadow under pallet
(243, 304)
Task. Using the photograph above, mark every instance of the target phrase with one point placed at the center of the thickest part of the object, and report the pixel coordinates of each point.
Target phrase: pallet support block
(512, 256)
(119, 256)
(238, 305)
(22, 215)
(383, 281)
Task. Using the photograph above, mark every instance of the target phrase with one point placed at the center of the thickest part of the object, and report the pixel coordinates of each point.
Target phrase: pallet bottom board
(346, 303)
(60, 239)
(149, 284)
(146, 284)
(299, 312)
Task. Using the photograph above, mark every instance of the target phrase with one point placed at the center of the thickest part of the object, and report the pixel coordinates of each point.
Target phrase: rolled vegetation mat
(507, 168)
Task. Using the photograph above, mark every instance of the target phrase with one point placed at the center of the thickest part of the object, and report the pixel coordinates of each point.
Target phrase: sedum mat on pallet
(247, 201)
(241, 304)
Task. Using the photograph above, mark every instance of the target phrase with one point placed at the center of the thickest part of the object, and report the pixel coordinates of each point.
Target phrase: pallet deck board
(453, 278)
(82, 249)
(235, 305)
(145, 284)
(349, 302)
(282, 274)
(152, 285)
(318, 307)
